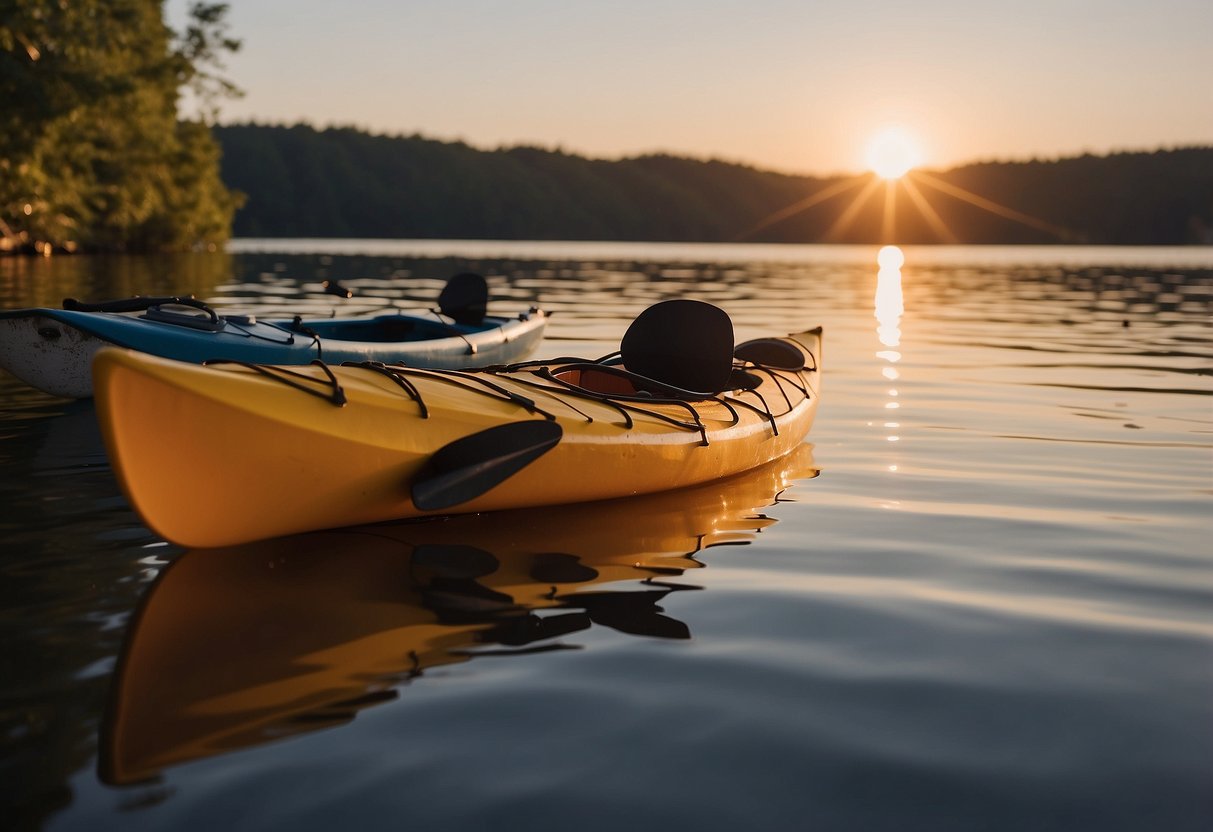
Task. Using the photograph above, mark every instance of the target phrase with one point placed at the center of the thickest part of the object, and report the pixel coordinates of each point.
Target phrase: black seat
(687, 344)
(465, 298)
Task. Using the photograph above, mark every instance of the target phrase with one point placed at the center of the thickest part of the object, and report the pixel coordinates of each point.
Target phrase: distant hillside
(303, 182)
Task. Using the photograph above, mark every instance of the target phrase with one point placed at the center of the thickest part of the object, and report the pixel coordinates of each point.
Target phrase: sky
(799, 87)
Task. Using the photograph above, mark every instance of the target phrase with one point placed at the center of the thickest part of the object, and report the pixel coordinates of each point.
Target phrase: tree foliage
(92, 152)
(344, 182)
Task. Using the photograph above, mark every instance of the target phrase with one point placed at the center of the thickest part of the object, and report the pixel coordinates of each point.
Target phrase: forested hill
(303, 182)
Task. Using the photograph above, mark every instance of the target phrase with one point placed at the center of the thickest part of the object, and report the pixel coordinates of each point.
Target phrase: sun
(892, 153)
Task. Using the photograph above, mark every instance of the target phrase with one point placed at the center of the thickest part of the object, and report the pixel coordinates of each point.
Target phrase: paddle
(683, 343)
(465, 298)
(772, 353)
(466, 468)
(332, 287)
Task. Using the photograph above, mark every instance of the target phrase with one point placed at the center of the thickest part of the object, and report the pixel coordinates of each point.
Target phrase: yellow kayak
(228, 453)
(232, 648)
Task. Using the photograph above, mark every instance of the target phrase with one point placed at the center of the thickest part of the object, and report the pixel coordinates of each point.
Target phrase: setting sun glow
(892, 153)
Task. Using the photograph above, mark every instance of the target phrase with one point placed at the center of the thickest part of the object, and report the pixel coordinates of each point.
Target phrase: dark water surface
(981, 599)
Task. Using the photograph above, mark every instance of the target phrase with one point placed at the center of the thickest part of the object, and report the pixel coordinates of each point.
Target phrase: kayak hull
(216, 456)
(53, 349)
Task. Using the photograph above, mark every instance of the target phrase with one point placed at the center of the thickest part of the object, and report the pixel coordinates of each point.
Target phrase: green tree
(92, 152)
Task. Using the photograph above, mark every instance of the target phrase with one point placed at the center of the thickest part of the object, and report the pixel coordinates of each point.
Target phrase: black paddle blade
(771, 352)
(332, 287)
(682, 343)
(468, 467)
(465, 298)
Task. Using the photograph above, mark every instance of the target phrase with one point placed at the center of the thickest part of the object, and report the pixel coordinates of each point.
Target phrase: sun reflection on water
(889, 309)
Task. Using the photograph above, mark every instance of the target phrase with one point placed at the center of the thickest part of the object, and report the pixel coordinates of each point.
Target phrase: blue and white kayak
(53, 349)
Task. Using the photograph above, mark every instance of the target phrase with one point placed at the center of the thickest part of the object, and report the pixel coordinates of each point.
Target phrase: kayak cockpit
(598, 380)
(387, 329)
(614, 380)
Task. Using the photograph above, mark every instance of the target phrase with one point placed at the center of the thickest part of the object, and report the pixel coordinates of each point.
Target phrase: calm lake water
(982, 598)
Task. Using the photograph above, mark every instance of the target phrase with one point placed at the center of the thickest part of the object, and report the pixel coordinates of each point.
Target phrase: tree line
(345, 182)
(93, 154)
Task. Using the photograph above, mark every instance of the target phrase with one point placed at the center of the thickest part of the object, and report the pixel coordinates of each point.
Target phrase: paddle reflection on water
(236, 647)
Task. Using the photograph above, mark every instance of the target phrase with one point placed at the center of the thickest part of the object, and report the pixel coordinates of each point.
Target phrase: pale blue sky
(794, 86)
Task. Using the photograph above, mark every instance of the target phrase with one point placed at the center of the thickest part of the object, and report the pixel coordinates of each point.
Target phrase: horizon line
(656, 153)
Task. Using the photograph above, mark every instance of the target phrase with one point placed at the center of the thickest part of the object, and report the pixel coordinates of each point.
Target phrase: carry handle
(136, 304)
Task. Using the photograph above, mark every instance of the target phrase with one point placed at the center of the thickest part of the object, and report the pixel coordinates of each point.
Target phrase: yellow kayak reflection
(240, 646)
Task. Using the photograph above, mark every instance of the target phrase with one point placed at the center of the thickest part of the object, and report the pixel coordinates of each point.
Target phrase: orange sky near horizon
(778, 84)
